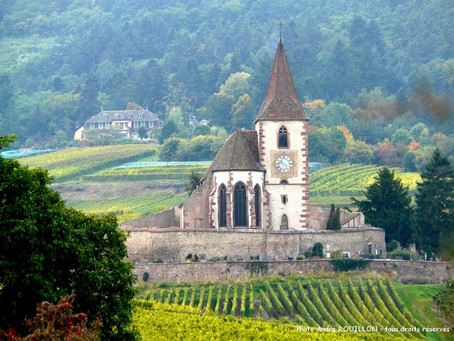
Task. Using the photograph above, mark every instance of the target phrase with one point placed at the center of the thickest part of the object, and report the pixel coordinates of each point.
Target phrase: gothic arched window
(284, 222)
(222, 200)
(240, 205)
(283, 138)
(257, 205)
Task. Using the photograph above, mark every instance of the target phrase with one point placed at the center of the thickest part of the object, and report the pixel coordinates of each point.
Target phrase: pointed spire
(281, 102)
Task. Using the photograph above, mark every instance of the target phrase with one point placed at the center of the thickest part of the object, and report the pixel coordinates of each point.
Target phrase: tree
(387, 205)
(62, 252)
(435, 207)
(56, 322)
(333, 222)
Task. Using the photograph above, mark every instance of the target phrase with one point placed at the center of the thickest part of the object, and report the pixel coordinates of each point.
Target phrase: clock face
(284, 163)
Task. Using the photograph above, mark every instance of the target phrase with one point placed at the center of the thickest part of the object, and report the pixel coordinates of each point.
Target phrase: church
(254, 198)
(259, 178)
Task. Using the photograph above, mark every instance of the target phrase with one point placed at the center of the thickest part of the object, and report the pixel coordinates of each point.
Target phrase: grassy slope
(417, 298)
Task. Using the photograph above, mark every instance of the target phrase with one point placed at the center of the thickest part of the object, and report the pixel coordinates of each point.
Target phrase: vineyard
(337, 184)
(179, 171)
(162, 321)
(317, 303)
(109, 165)
(67, 164)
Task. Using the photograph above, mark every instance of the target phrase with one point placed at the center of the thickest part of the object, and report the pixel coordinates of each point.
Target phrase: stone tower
(282, 132)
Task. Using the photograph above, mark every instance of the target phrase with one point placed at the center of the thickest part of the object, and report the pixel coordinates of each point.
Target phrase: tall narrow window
(283, 137)
(222, 200)
(240, 205)
(284, 222)
(257, 205)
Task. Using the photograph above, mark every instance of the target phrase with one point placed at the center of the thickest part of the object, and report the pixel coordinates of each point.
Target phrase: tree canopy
(435, 207)
(387, 205)
(48, 251)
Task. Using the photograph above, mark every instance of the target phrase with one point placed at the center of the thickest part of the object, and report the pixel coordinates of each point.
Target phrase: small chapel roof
(281, 102)
(240, 152)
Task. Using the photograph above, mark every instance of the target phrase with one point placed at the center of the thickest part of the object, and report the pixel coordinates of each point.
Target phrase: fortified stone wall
(173, 244)
(166, 218)
(405, 271)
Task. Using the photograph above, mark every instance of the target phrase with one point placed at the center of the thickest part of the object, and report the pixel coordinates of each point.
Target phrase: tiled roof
(281, 102)
(239, 153)
(121, 115)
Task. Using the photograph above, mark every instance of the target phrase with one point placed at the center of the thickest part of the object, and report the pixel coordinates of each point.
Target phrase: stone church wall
(404, 271)
(172, 245)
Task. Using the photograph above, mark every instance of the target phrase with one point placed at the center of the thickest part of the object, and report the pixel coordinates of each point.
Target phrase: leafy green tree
(387, 205)
(171, 149)
(327, 144)
(168, 129)
(435, 207)
(142, 132)
(193, 181)
(48, 251)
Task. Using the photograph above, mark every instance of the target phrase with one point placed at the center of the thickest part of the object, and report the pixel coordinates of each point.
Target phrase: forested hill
(61, 61)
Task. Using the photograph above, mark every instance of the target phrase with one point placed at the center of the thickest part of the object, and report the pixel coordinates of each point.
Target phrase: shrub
(158, 260)
(348, 264)
(403, 254)
(392, 245)
(337, 254)
(317, 250)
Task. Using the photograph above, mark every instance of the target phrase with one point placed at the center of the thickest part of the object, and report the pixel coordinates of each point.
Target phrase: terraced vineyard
(67, 164)
(313, 302)
(171, 171)
(338, 183)
(163, 321)
(106, 166)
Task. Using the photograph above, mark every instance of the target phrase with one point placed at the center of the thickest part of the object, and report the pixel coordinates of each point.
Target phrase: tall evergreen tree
(435, 207)
(387, 205)
(333, 222)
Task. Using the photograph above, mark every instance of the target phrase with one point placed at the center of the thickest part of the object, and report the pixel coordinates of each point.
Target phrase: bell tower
(281, 127)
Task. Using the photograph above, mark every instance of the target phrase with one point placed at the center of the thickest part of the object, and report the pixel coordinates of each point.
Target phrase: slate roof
(239, 153)
(123, 115)
(281, 102)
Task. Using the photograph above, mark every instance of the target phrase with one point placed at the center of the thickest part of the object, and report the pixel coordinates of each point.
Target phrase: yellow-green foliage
(316, 302)
(130, 207)
(72, 162)
(160, 321)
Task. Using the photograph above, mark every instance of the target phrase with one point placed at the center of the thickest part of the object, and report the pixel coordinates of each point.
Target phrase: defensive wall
(172, 245)
(404, 271)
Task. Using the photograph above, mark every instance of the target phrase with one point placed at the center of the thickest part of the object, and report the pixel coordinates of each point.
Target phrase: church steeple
(281, 102)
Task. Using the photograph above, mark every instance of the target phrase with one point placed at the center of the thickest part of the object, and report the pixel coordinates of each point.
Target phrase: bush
(349, 264)
(158, 261)
(317, 250)
(337, 254)
(403, 254)
(392, 245)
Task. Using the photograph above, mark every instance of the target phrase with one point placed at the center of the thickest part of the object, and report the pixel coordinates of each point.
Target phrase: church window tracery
(257, 205)
(222, 199)
(240, 205)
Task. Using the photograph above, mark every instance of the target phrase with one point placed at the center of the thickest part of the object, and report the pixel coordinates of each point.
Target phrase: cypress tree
(331, 223)
(435, 207)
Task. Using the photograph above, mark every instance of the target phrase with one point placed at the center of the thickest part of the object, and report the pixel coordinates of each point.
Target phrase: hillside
(127, 181)
(383, 65)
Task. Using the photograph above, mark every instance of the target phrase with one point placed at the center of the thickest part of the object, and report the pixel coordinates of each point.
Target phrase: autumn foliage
(56, 322)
